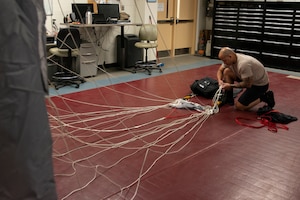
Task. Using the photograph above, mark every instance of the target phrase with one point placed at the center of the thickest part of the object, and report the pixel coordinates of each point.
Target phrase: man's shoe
(268, 97)
(263, 110)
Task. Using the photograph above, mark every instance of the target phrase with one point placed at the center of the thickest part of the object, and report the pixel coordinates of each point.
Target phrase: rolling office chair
(148, 37)
(67, 47)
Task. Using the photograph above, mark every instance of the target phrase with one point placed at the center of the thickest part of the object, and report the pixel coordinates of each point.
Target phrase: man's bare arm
(245, 83)
(220, 73)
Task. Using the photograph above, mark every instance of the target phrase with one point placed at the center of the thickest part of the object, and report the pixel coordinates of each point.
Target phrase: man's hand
(221, 83)
(226, 86)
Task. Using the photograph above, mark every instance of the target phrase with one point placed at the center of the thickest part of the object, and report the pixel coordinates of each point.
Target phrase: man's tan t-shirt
(248, 66)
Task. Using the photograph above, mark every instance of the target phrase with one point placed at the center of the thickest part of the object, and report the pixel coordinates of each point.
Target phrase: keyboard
(123, 21)
(116, 21)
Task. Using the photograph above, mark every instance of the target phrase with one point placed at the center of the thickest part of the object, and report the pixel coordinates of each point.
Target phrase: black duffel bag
(206, 87)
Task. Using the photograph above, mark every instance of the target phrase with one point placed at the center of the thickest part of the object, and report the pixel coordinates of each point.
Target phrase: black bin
(132, 53)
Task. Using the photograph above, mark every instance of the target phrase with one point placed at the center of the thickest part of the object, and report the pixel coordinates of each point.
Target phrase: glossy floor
(122, 140)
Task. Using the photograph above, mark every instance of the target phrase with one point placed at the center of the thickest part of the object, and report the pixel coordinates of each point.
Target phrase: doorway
(176, 23)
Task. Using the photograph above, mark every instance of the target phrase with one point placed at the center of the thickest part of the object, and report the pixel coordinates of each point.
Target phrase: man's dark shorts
(253, 93)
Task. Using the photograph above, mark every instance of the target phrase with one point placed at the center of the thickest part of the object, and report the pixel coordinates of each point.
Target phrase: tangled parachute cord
(183, 103)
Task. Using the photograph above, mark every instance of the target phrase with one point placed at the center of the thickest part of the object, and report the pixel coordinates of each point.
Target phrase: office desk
(121, 25)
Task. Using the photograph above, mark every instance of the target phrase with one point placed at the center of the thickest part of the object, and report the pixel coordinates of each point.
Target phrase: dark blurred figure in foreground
(25, 141)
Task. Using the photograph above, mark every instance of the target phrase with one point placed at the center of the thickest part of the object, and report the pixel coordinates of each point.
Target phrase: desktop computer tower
(132, 53)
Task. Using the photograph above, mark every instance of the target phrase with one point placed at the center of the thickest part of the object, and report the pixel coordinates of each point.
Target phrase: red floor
(117, 143)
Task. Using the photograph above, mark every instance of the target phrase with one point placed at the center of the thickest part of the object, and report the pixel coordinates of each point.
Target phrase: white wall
(60, 9)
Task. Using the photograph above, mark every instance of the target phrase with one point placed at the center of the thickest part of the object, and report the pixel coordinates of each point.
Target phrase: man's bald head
(225, 51)
(227, 55)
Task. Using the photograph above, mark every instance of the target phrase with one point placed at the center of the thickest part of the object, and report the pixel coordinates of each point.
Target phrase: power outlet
(122, 7)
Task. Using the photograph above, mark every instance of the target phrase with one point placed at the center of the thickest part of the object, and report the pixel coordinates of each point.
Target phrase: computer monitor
(80, 9)
(110, 11)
